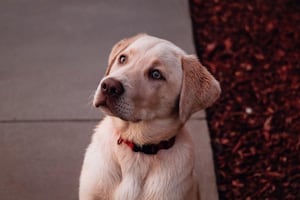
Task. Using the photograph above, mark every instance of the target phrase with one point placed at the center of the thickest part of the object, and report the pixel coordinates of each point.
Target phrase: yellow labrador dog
(142, 150)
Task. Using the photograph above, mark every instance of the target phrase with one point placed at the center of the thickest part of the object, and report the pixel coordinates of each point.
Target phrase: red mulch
(253, 49)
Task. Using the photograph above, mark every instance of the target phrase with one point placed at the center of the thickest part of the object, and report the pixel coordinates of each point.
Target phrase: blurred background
(253, 49)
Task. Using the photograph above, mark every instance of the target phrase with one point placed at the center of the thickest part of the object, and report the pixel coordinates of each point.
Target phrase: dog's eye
(122, 59)
(156, 75)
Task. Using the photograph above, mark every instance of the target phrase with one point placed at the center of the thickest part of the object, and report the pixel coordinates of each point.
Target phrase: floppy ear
(118, 48)
(199, 88)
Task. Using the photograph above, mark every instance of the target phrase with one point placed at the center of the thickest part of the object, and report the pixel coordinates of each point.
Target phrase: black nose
(111, 87)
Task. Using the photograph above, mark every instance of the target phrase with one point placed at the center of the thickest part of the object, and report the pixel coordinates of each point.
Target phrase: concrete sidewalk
(52, 56)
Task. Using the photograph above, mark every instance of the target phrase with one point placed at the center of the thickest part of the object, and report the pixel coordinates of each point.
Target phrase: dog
(141, 150)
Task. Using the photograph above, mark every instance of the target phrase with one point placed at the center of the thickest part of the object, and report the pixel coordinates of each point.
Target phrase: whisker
(90, 99)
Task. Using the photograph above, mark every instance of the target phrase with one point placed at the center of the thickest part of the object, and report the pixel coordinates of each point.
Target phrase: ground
(253, 50)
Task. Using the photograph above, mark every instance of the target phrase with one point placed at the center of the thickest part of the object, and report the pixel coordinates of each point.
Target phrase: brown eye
(122, 59)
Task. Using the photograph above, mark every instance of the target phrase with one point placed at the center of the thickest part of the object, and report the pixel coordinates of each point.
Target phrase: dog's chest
(147, 177)
(135, 165)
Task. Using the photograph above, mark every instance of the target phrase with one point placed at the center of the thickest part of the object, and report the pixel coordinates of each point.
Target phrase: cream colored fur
(149, 111)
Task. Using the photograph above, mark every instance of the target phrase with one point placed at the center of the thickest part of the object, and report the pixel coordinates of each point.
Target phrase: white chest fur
(116, 172)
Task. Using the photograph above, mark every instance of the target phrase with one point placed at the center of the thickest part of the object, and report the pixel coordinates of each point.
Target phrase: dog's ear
(199, 88)
(118, 48)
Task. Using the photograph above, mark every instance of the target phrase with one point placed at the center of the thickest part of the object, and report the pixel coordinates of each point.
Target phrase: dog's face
(149, 78)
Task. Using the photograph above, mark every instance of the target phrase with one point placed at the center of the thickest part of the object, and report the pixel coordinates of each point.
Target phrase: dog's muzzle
(110, 90)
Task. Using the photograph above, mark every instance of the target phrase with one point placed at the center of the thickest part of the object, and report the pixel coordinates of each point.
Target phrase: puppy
(141, 149)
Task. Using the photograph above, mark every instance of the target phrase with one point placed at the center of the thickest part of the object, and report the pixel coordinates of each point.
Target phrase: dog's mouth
(106, 104)
(114, 107)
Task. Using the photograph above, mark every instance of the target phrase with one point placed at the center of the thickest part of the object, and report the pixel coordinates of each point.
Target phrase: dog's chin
(112, 110)
(133, 120)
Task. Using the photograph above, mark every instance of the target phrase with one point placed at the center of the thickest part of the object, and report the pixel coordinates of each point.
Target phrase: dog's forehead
(154, 45)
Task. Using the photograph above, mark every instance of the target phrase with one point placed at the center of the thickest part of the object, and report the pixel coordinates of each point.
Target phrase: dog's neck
(150, 149)
(147, 132)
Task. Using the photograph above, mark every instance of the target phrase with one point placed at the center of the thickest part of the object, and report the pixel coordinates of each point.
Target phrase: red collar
(150, 149)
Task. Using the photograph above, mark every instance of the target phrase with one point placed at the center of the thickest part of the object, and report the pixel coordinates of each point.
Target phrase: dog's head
(149, 78)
